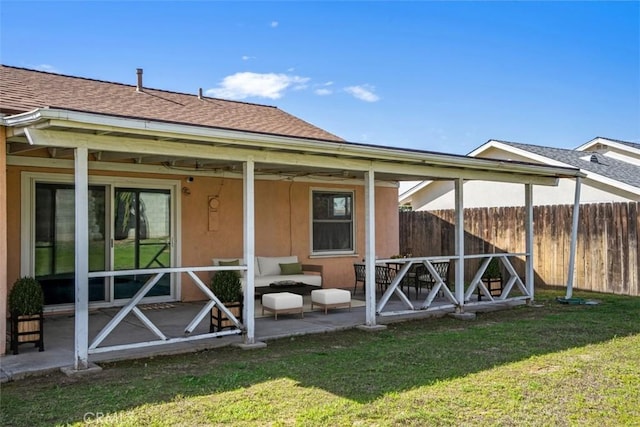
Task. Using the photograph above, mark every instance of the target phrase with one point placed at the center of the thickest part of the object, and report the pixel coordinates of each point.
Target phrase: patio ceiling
(187, 149)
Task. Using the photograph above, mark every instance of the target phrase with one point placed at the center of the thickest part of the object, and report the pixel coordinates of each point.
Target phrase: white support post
(574, 240)
(248, 176)
(459, 243)
(528, 207)
(81, 341)
(370, 247)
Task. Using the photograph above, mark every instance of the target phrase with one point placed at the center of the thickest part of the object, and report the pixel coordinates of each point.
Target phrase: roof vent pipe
(594, 159)
(139, 73)
(199, 93)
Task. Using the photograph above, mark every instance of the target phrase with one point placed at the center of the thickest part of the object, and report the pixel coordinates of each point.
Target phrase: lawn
(552, 364)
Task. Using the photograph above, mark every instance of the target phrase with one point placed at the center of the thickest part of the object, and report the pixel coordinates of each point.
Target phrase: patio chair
(359, 270)
(424, 278)
(383, 277)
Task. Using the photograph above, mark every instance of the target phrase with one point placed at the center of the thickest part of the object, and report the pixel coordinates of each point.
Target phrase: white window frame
(27, 225)
(352, 193)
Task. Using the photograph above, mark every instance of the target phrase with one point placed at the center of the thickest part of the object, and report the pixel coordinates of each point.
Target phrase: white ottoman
(283, 303)
(330, 298)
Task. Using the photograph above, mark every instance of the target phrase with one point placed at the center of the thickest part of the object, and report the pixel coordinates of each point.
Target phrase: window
(332, 222)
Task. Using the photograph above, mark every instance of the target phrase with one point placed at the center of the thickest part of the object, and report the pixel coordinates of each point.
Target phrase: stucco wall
(282, 223)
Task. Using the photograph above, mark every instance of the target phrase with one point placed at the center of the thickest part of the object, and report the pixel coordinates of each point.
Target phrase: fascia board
(413, 190)
(528, 154)
(325, 148)
(613, 183)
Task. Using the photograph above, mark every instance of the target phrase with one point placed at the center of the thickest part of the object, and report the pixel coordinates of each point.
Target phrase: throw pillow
(229, 263)
(289, 269)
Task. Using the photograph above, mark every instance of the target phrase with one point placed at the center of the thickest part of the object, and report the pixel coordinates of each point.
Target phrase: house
(612, 170)
(114, 194)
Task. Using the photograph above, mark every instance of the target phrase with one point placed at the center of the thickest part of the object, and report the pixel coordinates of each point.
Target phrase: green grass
(550, 365)
(124, 256)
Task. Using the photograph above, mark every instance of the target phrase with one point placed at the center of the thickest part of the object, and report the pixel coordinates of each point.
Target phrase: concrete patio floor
(172, 318)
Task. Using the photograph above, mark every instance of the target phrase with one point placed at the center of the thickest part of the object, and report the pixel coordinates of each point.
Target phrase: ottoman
(283, 303)
(330, 298)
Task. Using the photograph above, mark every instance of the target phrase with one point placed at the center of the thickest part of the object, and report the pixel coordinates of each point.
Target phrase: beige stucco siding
(282, 222)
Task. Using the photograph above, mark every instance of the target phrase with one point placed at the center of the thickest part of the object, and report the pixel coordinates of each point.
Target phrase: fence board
(607, 255)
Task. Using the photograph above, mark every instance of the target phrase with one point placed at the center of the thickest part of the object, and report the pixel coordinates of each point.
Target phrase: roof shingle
(24, 90)
(609, 167)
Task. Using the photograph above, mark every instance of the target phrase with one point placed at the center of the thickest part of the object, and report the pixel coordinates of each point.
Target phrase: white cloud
(274, 24)
(247, 84)
(363, 92)
(247, 57)
(48, 68)
(324, 90)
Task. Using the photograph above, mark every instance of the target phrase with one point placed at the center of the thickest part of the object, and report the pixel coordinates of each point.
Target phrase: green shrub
(26, 297)
(493, 270)
(226, 286)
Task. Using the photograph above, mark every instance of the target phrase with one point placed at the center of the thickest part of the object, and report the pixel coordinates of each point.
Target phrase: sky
(441, 76)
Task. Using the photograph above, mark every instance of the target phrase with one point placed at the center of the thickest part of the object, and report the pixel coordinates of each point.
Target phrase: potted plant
(26, 300)
(227, 288)
(492, 278)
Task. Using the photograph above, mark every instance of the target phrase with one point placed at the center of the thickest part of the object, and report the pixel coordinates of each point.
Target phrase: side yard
(548, 364)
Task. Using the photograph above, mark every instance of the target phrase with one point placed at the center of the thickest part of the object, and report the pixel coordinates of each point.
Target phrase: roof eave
(41, 116)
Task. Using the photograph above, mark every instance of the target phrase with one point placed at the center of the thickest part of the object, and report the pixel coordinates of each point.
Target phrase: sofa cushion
(270, 266)
(227, 261)
(292, 268)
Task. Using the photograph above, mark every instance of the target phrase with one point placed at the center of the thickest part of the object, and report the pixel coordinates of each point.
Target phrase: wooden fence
(608, 251)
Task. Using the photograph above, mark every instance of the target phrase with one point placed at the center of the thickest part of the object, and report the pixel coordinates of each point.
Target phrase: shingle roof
(606, 166)
(619, 141)
(24, 90)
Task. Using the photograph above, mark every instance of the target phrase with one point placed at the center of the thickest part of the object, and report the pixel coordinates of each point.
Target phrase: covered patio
(271, 183)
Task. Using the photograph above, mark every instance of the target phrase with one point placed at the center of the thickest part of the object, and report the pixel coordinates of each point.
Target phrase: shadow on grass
(359, 366)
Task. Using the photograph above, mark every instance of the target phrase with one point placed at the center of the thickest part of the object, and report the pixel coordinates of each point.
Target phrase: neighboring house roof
(613, 164)
(608, 141)
(23, 90)
(598, 163)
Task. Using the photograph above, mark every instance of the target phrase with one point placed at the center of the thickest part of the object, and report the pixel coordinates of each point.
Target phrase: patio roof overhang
(78, 139)
(197, 149)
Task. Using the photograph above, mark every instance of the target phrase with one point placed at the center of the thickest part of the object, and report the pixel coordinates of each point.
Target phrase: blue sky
(440, 76)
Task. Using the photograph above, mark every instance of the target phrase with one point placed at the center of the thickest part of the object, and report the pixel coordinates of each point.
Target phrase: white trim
(81, 258)
(459, 242)
(370, 247)
(353, 222)
(249, 244)
(609, 142)
(28, 181)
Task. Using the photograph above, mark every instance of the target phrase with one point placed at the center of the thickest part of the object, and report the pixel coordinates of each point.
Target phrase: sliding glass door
(55, 242)
(142, 239)
(130, 228)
